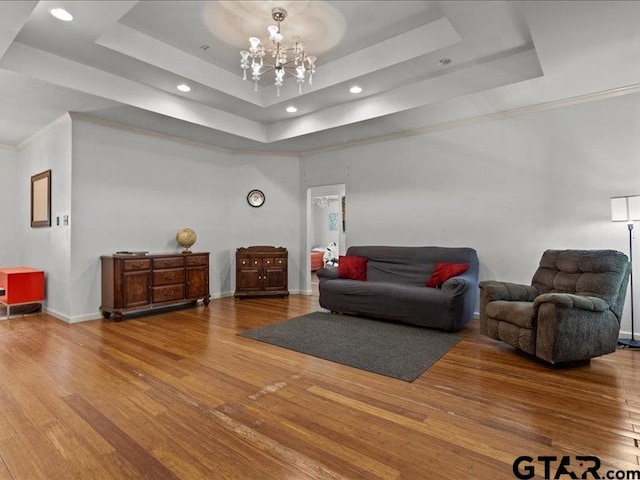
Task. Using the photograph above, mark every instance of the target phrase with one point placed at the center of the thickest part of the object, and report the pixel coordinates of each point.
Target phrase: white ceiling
(121, 61)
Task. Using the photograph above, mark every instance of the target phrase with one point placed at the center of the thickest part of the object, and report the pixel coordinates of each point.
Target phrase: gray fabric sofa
(395, 286)
(570, 312)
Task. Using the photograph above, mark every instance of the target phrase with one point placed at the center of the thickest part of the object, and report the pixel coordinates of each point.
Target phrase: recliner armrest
(513, 292)
(569, 300)
(327, 272)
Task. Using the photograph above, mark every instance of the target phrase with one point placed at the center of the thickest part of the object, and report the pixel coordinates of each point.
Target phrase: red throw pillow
(354, 268)
(445, 271)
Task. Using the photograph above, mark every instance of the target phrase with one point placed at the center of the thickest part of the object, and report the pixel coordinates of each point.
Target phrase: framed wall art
(41, 199)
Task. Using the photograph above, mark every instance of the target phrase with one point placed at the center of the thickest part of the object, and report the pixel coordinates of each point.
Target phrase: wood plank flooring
(178, 395)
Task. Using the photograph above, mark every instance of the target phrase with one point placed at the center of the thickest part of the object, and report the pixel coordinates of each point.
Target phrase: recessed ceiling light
(184, 88)
(355, 89)
(61, 14)
(291, 109)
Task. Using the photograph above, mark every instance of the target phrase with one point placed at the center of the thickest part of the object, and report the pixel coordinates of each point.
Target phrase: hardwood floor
(180, 395)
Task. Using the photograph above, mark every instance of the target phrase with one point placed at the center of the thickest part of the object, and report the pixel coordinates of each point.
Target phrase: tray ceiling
(122, 61)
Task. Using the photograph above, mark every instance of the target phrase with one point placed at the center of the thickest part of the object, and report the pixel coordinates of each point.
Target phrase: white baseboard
(624, 334)
(58, 315)
(98, 315)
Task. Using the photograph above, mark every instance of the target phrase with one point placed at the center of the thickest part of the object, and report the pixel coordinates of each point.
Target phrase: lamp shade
(625, 209)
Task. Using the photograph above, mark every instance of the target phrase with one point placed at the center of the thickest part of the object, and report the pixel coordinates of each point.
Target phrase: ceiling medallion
(279, 57)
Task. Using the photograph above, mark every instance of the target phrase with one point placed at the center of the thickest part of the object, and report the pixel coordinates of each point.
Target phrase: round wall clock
(255, 198)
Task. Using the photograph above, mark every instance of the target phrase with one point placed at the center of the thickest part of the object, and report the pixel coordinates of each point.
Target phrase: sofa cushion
(352, 268)
(430, 307)
(445, 271)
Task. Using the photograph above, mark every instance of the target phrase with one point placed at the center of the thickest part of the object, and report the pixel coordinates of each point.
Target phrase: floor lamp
(627, 209)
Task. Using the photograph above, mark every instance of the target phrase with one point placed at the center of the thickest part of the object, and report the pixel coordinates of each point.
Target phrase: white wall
(47, 248)
(9, 242)
(278, 221)
(133, 191)
(510, 188)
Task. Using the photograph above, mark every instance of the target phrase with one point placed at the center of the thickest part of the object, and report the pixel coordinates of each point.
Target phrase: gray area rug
(388, 348)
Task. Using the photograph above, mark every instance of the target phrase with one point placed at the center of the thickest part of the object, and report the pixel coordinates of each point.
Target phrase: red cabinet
(21, 285)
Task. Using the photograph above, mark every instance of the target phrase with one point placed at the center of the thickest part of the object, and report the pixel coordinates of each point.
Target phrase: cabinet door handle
(136, 265)
(168, 276)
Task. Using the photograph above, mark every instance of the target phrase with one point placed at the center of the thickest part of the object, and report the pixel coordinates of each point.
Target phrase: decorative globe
(185, 238)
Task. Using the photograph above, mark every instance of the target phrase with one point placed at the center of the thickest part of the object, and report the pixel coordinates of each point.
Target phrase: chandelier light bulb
(244, 54)
(272, 30)
(279, 74)
(254, 41)
(256, 69)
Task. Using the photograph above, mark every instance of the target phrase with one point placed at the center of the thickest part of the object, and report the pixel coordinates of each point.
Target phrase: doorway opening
(326, 236)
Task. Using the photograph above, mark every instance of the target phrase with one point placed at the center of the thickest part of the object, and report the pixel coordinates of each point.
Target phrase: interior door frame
(339, 189)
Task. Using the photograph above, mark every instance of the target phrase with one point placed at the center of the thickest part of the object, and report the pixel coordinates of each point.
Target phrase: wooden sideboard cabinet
(261, 271)
(138, 282)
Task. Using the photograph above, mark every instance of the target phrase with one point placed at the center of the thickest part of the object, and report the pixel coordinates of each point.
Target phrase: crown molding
(149, 133)
(35, 136)
(194, 143)
(490, 117)
(542, 107)
(266, 153)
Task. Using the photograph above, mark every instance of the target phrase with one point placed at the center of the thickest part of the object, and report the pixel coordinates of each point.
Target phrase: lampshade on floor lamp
(627, 209)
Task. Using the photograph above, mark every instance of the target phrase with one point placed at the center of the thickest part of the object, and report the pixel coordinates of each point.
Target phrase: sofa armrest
(515, 292)
(455, 285)
(568, 300)
(327, 273)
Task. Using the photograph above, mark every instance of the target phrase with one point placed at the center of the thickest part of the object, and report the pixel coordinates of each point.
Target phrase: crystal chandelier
(278, 57)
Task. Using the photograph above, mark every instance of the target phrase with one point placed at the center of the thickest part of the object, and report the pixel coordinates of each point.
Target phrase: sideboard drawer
(197, 260)
(169, 276)
(169, 262)
(170, 292)
(139, 264)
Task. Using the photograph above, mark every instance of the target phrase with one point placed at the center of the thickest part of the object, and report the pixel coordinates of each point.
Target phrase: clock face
(255, 198)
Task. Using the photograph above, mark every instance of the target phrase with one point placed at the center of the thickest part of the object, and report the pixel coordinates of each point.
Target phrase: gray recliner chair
(570, 312)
